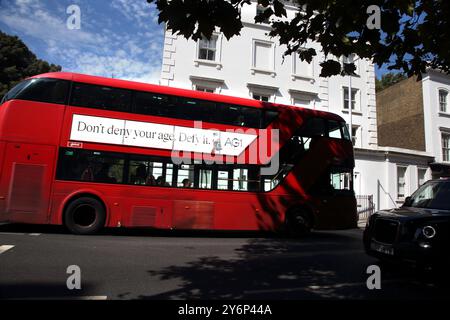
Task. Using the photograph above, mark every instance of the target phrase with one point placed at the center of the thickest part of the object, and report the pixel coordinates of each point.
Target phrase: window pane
(261, 97)
(443, 100)
(240, 177)
(207, 48)
(45, 90)
(14, 91)
(345, 131)
(341, 180)
(445, 147)
(251, 117)
(334, 129)
(93, 96)
(154, 104)
(401, 171)
(204, 89)
(269, 117)
(421, 174)
(94, 166)
(230, 114)
(354, 92)
(222, 180)
(139, 173)
(169, 174)
(204, 179)
(193, 109)
(203, 54)
(313, 127)
(185, 175)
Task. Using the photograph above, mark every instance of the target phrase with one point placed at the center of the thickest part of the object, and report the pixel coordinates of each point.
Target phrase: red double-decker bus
(90, 152)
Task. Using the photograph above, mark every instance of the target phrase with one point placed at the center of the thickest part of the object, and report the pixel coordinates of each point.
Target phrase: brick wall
(400, 118)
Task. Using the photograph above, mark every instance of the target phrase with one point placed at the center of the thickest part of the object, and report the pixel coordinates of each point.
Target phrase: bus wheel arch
(299, 220)
(84, 213)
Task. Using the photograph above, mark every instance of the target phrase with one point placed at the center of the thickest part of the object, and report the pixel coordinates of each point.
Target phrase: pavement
(151, 264)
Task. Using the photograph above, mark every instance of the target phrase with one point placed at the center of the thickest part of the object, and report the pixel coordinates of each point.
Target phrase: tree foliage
(413, 35)
(388, 79)
(17, 62)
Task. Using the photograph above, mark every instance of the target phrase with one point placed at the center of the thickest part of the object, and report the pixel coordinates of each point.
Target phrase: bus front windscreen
(39, 89)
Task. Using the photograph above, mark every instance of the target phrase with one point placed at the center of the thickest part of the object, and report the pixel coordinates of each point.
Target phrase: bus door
(198, 211)
(26, 182)
(338, 204)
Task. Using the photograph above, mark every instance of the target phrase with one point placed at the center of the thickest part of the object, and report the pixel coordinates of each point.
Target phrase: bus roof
(140, 86)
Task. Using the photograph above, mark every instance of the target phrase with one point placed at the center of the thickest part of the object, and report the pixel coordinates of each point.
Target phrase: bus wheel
(84, 215)
(298, 223)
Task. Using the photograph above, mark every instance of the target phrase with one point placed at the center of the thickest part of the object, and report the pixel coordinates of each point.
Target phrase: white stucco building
(251, 65)
(436, 111)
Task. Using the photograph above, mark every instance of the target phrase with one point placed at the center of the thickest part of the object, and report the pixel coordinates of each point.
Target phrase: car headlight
(429, 232)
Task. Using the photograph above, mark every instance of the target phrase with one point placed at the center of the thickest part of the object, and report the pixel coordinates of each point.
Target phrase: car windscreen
(432, 195)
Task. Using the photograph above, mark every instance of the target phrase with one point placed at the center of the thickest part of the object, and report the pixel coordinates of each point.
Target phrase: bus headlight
(429, 232)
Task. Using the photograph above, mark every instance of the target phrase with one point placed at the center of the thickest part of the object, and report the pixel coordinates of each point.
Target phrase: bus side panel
(145, 211)
(126, 206)
(249, 211)
(26, 182)
(30, 121)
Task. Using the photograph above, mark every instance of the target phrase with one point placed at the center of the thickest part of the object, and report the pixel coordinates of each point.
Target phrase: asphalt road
(145, 264)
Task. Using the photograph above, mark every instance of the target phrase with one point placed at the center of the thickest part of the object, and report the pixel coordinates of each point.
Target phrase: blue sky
(119, 38)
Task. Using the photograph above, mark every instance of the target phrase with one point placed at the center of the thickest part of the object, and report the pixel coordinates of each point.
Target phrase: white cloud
(98, 48)
(36, 22)
(140, 12)
(117, 66)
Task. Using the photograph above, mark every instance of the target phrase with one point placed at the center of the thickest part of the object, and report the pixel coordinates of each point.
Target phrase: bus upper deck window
(334, 129)
(40, 89)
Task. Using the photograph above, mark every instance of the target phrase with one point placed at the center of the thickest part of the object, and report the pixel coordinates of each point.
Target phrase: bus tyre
(84, 215)
(298, 223)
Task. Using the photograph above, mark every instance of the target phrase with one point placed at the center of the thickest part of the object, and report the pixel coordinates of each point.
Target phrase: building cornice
(199, 78)
(262, 86)
(392, 151)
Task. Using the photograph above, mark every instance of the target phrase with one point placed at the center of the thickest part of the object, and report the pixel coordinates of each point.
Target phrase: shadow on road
(139, 232)
(323, 266)
(42, 290)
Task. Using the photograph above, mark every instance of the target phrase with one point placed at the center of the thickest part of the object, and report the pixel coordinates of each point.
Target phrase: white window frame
(351, 58)
(446, 108)
(262, 9)
(424, 176)
(269, 97)
(356, 138)
(218, 55)
(357, 99)
(310, 100)
(296, 74)
(399, 196)
(202, 88)
(445, 146)
(271, 69)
